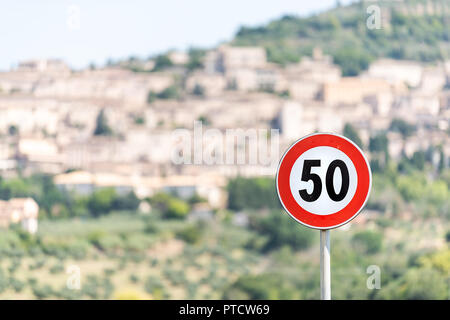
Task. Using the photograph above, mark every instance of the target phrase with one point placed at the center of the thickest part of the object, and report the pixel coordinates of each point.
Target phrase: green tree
(352, 61)
(13, 130)
(101, 201)
(378, 146)
(151, 97)
(402, 127)
(162, 62)
(169, 93)
(204, 120)
(169, 206)
(252, 193)
(128, 201)
(351, 133)
(281, 230)
(438, 192)
(270, 286)
(418, 160)
(50, 195)
(15, 187)
(442, 162)
(198, 90)
(411, 187)
(195, 58)
(154, 286)
(191, 233)
(139, 120)
(42, 292)
(368, 241)
(102, 128)
(378, 143)
(176, 209)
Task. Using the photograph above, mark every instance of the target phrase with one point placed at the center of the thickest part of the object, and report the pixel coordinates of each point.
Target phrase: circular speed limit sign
(323, 180)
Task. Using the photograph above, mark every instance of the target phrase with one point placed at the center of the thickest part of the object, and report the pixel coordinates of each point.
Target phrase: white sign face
(323, 180)
(335, 171)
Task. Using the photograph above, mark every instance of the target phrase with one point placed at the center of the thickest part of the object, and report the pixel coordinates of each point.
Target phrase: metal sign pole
(325, 274)
(307, 207)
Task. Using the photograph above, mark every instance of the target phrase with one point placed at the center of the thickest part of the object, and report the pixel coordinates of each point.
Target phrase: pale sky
(117, 29)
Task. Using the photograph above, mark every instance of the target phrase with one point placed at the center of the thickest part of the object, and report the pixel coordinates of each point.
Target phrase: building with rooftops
(22, 211)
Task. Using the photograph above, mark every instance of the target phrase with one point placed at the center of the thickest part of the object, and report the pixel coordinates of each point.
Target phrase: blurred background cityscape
(93, 205)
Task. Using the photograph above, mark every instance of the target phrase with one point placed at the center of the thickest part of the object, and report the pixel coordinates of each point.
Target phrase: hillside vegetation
(343, 33)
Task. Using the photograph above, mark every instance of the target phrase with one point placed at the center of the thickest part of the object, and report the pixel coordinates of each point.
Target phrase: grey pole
(325, 274)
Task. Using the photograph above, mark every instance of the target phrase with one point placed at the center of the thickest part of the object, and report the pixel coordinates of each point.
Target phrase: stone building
(20, 210)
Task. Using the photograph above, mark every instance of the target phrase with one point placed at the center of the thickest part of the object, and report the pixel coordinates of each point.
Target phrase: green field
(120, 257)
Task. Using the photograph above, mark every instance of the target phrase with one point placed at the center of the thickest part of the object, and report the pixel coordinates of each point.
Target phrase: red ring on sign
(356, 203)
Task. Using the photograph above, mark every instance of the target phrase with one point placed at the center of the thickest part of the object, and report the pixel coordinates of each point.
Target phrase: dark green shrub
(369, 242)
(260, 287)
(191, 234)
(281, 230)
(42, 292)
(57, 268)
(16, 284)
(252, 193)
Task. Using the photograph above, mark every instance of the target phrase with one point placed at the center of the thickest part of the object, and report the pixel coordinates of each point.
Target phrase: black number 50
(317, 189)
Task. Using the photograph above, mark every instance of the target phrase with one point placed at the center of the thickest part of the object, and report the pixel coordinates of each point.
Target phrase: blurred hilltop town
(113, 126)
